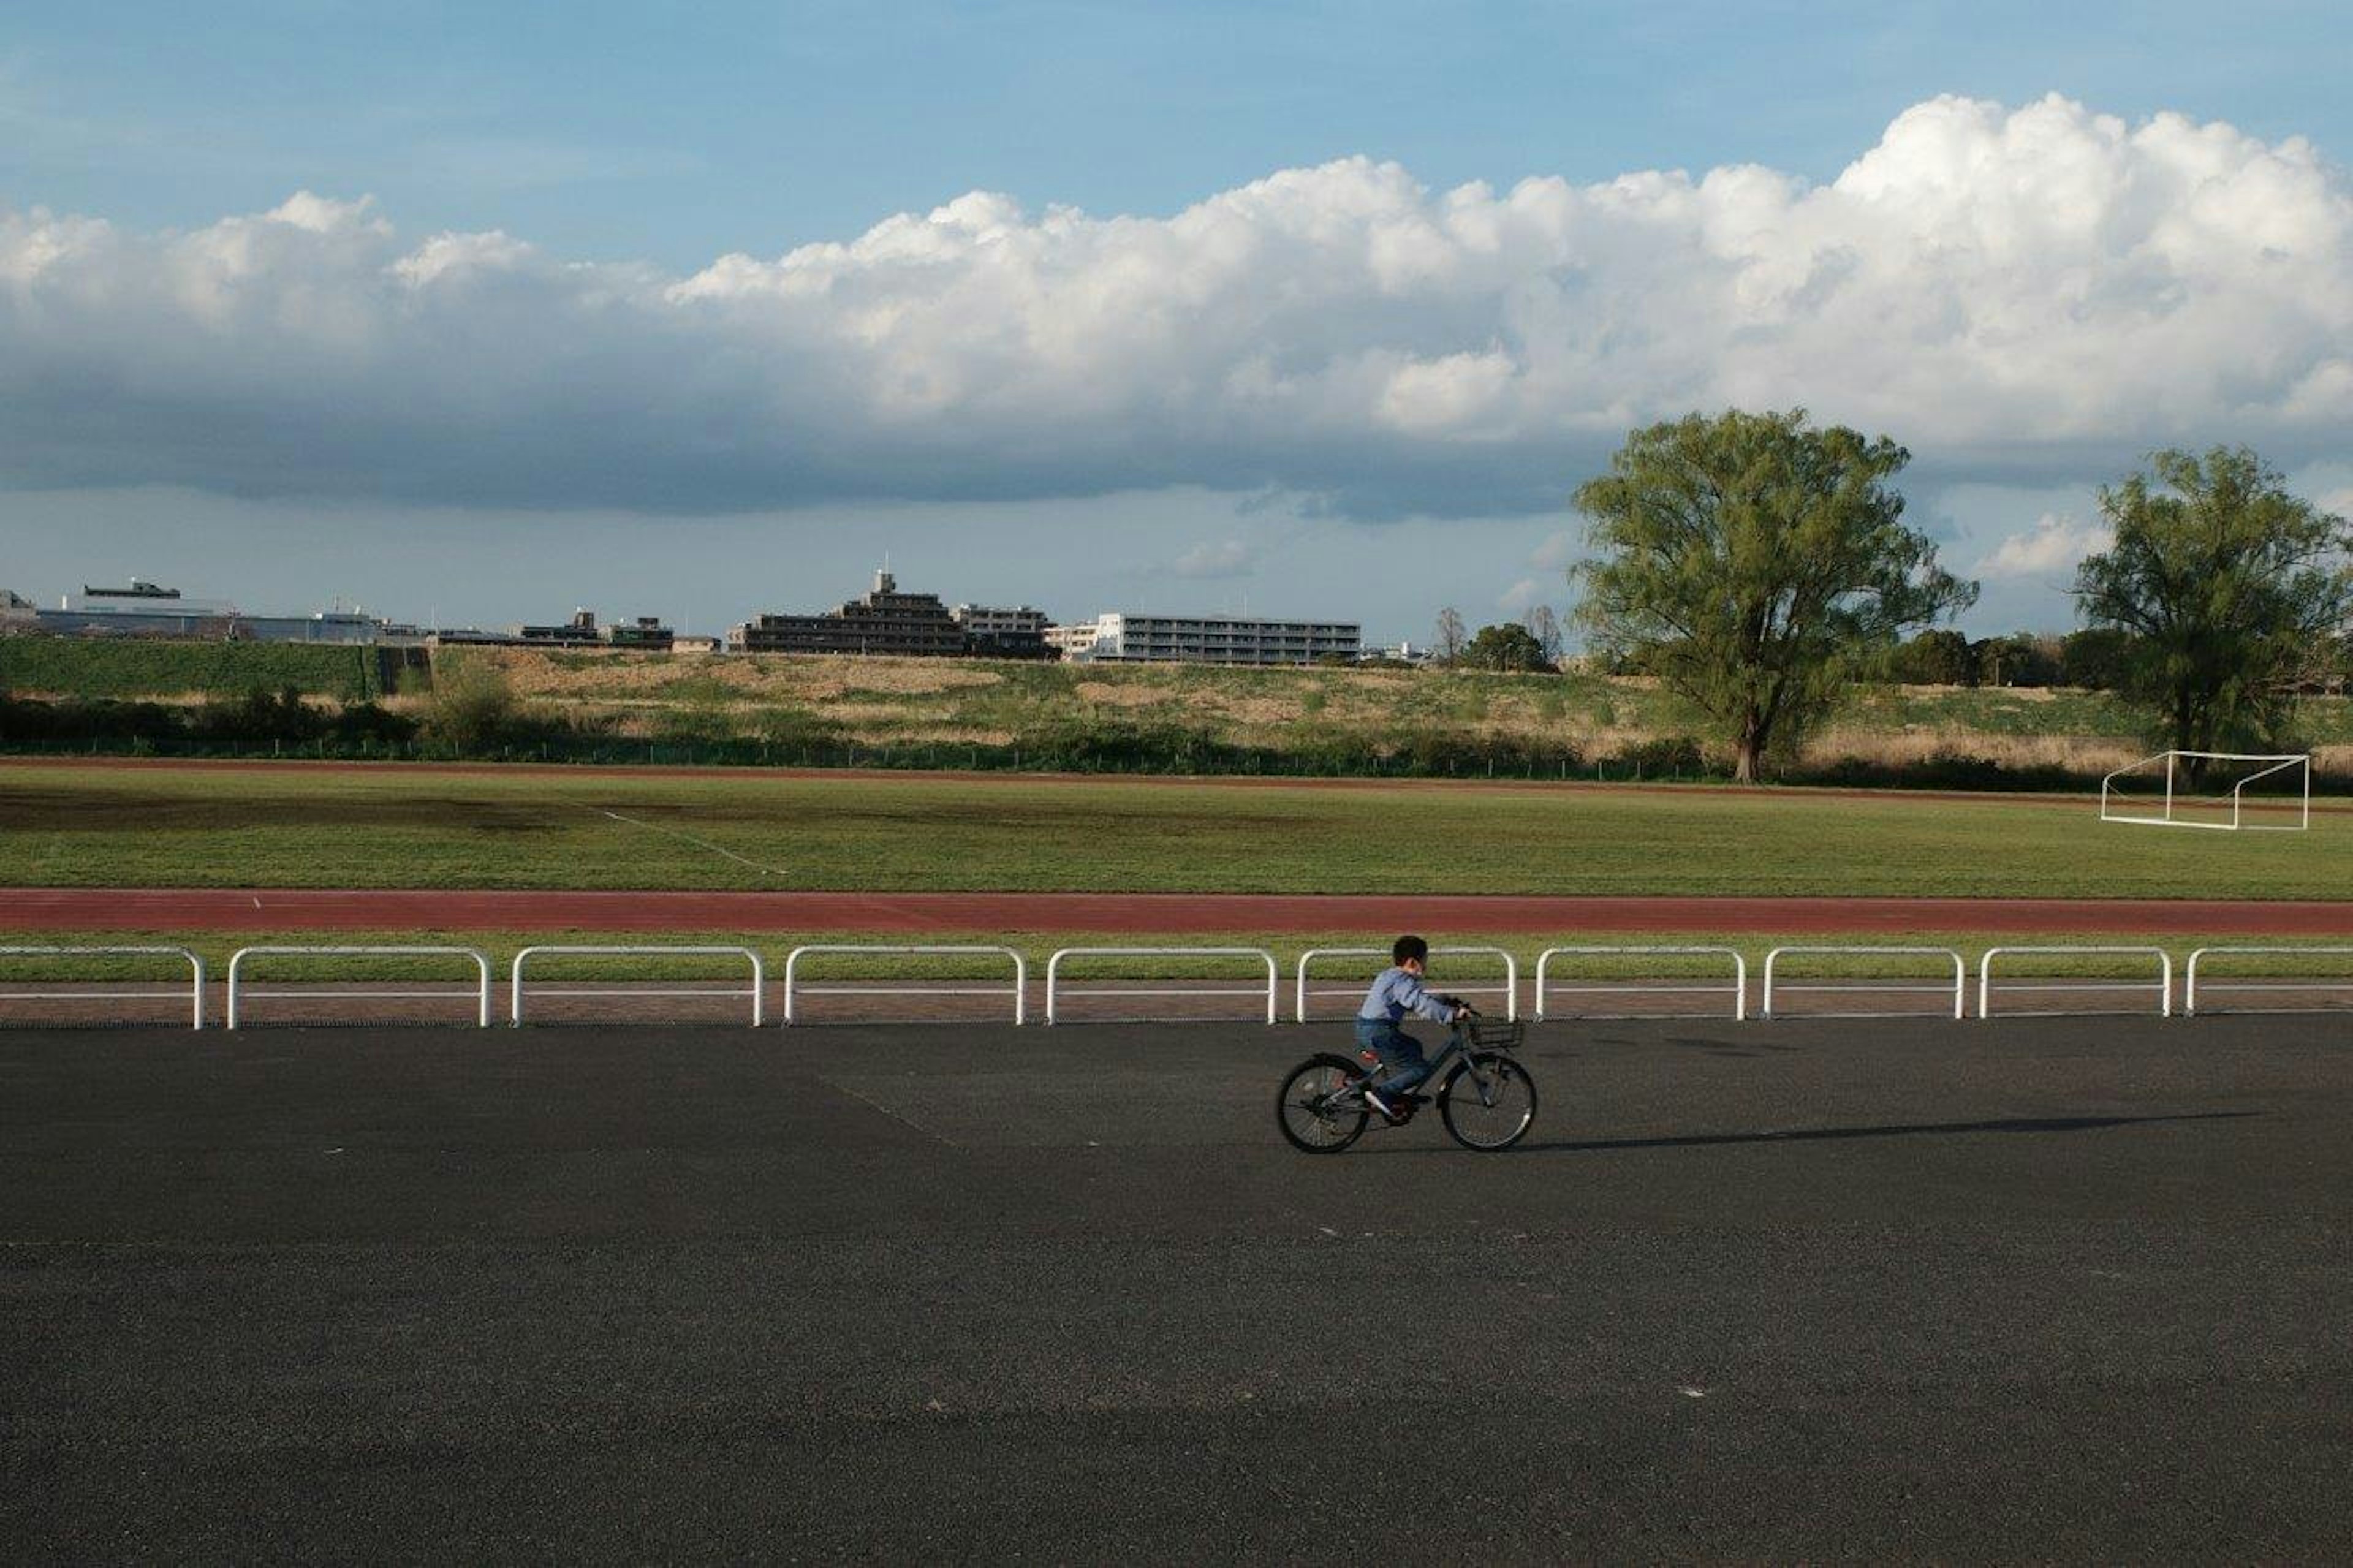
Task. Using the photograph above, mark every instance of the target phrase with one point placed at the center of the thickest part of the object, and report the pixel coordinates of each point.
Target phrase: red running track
(1137, 914)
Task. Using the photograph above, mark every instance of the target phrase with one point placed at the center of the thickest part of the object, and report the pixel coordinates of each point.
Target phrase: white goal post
(2120, 806)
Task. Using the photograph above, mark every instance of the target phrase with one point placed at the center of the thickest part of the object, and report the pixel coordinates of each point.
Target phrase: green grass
(93, 667)
(396, 828)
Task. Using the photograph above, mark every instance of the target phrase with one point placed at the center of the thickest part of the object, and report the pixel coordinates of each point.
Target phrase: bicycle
(1487, 1101)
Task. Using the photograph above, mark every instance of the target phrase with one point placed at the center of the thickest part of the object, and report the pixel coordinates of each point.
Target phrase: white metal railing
(1019, 991)
(1270, 992)
(758, 993)
(196, 991)
(1739, 987)
(2163, 985)
(1509, 989)
(481, 993)
(2322, 983)
(2281, 763)
(1958, 990)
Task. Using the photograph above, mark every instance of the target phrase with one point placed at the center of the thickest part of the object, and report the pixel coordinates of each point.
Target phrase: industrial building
(145, 609)
(646, 634)
(1120, 638)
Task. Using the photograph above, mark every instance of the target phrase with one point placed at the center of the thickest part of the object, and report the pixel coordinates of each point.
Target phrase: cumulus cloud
(1522, 596)
(1228, 558)
(2031, 290)
(2053, 546)
(1559, 550)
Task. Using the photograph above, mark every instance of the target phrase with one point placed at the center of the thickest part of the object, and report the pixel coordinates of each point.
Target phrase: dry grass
(1914, 745)
(882, 702)
(1109, 695)
(574, 676)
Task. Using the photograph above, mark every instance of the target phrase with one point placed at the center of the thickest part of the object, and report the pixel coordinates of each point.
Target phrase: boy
(1397, 992)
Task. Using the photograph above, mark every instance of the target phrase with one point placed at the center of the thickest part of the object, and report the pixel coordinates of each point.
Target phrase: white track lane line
(691, 838)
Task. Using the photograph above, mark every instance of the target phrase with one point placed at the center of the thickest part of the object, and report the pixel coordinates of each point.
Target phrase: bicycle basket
(1496, 1034)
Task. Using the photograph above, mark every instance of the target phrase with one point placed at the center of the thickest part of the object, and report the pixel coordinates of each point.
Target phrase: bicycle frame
(1456, 1034)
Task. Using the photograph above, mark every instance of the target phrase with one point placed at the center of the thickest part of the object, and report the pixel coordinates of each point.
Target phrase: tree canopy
(2232, 591)
(1508, 647)
(1752, 562)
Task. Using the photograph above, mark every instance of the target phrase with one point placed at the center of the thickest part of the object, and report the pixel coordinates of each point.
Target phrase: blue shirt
(1396, 994)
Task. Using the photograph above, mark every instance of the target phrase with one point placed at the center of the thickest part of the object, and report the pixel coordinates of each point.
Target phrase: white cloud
(1557, 551)
(1228, 558)
(1521, 597)
(2052, 546)
(2042, 290)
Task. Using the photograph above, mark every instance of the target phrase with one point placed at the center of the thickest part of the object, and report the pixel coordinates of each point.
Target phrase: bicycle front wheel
(1489, 1101)
(1318, 1110)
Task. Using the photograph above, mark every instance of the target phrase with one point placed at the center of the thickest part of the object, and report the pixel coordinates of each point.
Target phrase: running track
(1137, 914)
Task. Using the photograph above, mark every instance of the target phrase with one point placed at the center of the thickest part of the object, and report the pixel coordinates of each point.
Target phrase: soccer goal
(2229, 790)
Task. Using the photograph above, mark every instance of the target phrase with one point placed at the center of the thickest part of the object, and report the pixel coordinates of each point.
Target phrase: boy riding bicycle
(1397, 992)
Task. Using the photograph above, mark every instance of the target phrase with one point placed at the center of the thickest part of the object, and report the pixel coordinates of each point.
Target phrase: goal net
(2230, 790)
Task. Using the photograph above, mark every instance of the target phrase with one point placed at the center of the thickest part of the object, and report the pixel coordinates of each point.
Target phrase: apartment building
(884, 621)
(1118, 637)
(993, 633)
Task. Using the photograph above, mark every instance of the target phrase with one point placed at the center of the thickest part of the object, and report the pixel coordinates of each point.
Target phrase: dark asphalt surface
(2036, 1288)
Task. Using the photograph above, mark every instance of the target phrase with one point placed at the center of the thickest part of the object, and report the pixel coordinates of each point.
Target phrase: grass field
(1464, 971)
(405, 827)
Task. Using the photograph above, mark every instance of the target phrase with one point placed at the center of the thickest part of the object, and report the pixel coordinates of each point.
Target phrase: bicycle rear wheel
(1317, 1113)
(1489, 1101)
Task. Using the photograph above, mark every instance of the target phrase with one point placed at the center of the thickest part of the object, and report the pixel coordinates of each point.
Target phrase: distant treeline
(2093, 659)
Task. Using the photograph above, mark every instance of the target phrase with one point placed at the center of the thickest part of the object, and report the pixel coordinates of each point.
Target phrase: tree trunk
(1750, 749)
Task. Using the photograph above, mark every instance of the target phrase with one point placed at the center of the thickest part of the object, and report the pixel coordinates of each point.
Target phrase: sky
(482, 313)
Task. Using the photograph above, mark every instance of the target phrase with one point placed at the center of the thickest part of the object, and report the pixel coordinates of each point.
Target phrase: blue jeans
(1400, 1052)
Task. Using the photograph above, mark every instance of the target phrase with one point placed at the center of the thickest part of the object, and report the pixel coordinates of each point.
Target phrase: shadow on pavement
(1821, 1134)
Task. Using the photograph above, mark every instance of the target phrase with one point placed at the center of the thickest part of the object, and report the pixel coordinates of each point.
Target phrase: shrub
(472, 704)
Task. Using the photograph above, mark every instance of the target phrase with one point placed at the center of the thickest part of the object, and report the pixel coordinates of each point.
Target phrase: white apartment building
(1119, 639)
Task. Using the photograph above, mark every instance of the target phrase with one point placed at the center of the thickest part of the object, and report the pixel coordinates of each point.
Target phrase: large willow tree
(2232, 593)
(1752, 562)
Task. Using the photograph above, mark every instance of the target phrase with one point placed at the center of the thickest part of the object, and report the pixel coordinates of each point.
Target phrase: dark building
(580, 631)
(647, 634)
(884, 621)
(992, 633)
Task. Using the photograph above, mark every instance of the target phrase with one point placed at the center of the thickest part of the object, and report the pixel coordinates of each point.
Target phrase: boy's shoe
(1386, 1104)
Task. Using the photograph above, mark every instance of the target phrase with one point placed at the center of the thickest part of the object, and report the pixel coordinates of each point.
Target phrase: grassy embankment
(948, 713)
(882, 704)
(139, 668)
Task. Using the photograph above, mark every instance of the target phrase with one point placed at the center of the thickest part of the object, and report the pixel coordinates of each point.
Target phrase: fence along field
(448, 981)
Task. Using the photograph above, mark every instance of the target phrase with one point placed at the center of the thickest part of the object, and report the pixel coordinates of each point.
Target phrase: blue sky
(1402, 445)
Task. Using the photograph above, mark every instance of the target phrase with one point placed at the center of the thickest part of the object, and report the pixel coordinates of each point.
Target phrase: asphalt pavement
(2026, 1288)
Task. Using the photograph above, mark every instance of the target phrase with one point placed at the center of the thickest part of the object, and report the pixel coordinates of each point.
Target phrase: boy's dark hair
(1410, 947)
